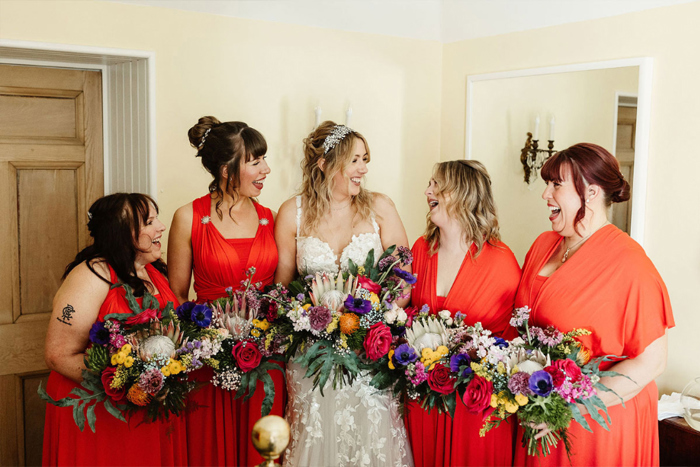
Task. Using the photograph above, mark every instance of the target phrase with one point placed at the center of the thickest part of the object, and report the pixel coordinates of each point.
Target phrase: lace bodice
(314, 255)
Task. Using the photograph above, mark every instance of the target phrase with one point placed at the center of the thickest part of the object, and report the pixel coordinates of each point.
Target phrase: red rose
(369, 285)
(477, 396)
(247, 355)
(377, 341)
(568, 367)
(144, 317)
(440, 379)
(411, 311)
(118, 395)
(557, 375)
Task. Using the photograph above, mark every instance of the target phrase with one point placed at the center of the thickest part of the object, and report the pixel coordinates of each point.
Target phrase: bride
(332, 221)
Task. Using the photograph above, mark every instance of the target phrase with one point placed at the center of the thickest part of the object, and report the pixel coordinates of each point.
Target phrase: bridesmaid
(126, 249)
(462, 266)
(587, 273)
(217, 238)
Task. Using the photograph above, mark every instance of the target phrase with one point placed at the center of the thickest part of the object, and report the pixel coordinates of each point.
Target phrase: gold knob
(270, 437)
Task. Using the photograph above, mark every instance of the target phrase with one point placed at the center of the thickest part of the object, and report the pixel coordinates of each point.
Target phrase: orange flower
(583, 355)
(349, 323)
(137, 396)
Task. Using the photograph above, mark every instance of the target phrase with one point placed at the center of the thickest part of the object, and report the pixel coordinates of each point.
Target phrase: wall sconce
(531, 156)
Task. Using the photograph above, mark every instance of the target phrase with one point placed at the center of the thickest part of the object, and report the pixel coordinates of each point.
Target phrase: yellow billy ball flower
(126, 348)
(521, 399)
(129, 361)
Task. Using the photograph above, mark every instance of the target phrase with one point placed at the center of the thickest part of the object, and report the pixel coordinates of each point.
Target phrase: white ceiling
(439, 20)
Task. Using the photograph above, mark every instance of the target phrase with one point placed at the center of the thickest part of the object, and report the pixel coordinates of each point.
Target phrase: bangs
(553, 169)
(141, 205)
(254, 143)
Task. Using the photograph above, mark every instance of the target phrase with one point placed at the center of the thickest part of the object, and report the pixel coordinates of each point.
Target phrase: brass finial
(270, 438)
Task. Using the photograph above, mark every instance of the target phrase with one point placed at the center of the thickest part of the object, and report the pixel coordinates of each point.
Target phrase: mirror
(605, 103)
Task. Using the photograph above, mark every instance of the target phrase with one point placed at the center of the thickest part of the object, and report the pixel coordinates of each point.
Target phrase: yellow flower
(129, 361)
(333, 325)
(344, 341)
(521, 399)
(494, 400)
(137, 396)
(261, 324)
(373, 297)
(511, 408)
(391, 360)
(175, 367)
(165, 370)
(126, 348)
(114, 359)
(514, 370)
(121, 358)
(479, 370)
(501, 368)
(360, 270)
(307, 306)
(255, 332)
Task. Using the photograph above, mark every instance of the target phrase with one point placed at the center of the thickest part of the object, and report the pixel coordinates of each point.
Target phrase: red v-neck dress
(484, 290)
(611, 288)
(219, 431)
(114, 442)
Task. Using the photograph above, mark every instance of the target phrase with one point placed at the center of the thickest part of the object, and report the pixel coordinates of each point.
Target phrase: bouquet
(541, 377)
(234, 341)
(435, 361)
(135, 361)
(337, 324)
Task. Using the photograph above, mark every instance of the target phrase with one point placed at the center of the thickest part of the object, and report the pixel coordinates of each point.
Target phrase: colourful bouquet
(234, 341)
(134, 361)
(336, 324)
(436, 360)
(541, 377)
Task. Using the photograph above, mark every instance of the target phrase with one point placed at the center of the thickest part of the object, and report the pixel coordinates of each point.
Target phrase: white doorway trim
(641, 157)
(108, 61)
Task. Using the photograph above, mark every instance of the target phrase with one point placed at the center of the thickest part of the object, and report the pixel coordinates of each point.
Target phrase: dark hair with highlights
(226, 145)
(115, 224)
(589, 164)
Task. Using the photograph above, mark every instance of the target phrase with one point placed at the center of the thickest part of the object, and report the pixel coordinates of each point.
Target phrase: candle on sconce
(317, 111)
(536, 135)
(348, 116)
(551, 128)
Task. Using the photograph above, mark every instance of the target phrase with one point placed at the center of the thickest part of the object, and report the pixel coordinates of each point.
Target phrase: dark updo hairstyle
(115, 224)
(225, 145)
(589, 164)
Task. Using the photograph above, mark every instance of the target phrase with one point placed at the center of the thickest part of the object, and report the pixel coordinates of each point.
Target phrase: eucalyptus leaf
(269, 399)
(114, 411)
(65, 402)
(79, 416)
(595, 415)
(91, 417)
(578, 417)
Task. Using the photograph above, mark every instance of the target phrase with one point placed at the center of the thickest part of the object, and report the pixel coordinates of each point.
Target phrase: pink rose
(117, 395)
(144, 317)
(477, 396)
(440, 379)
(377, 341)
(247, 355)
(369, 285)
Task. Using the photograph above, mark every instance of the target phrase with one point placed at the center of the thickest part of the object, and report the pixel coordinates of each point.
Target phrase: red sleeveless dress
(219, 431)
(114, 442)
(484, 290)
(611, 288)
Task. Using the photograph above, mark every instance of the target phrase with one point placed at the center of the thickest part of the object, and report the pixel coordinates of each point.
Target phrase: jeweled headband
(338, 134)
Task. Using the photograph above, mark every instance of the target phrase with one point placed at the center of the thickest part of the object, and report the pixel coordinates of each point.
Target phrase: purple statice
(520, 316)
(424, 310)
(151, 381)
(319, 318)
(461, 363)
(405, 255)
(300, 297)
(541, 383)
(405, 354)
(386, 262)
(99, 335)
(201, 316)
(252, 300)
(405, 275)
(419, 376)
(519, 383)
(550, 336)
(358, 305)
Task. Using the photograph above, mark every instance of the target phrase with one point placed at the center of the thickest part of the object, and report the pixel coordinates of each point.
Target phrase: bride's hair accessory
(204, 138)
(338, 134)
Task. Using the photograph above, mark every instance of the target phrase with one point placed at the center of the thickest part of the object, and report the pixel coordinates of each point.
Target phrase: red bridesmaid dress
(484, 290)
(114, 442)
(218, 432)
(611, 288)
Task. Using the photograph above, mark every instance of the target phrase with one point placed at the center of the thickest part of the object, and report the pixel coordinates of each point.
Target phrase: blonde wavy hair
(317, 185)
(471, 203)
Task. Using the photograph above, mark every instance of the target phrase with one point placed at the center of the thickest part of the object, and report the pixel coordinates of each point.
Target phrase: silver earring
(588, 199)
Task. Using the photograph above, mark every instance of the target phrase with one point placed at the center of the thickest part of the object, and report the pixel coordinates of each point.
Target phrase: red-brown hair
(589, 164)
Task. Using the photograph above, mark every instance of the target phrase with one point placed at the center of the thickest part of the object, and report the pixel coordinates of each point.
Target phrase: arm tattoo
(67, 315)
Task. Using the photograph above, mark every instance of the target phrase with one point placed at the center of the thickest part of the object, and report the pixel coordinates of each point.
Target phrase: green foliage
(96, 358)
(322, 360)
(356, 339)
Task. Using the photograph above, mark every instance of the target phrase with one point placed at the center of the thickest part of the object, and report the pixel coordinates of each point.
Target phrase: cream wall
(504, 110)
(271, 76)
(669, 35)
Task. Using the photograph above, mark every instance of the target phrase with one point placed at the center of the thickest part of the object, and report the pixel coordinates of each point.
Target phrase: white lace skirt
(354, 426)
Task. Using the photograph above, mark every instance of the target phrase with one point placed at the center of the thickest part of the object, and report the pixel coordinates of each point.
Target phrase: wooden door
(624, 151)
(51, 170)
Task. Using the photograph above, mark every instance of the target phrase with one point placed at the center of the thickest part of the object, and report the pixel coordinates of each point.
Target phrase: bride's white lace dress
(356, 425)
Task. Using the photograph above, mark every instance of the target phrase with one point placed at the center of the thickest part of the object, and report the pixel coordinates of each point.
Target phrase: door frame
(106, 60)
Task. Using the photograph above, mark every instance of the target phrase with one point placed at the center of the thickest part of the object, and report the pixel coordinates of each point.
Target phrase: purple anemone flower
(541, 383)
(184, 311)
(405, 354)
(461, 360)
(405, 275)
(99, 334)
(500, 342)
(201, 316)
(358, 305)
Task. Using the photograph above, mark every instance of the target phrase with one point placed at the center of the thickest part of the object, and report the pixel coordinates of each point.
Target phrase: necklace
(566, 253)
(342, 207)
